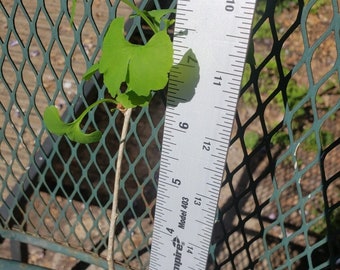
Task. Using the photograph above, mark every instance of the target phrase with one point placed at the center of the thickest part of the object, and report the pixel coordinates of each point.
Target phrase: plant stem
(142, 14)
(114, 213)
(127, 116)
(95, 104)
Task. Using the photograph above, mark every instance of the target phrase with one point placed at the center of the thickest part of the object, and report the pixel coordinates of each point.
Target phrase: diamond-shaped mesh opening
(279, 203)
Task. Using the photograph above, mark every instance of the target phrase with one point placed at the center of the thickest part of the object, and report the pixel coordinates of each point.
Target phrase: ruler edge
(156, 218)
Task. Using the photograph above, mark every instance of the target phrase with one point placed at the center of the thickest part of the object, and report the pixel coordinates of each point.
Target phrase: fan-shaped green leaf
(72, 130)
(142, 67)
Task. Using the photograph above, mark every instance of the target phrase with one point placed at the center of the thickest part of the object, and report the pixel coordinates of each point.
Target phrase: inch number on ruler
(210, 58)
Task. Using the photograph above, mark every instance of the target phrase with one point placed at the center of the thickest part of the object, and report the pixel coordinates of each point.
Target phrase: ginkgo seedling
(131, 73)
(142, 69)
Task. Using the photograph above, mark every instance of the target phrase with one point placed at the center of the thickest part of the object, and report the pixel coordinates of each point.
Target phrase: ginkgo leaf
(92, 70)
(142, 67)
(158, 14)
(131, 100)
(157, 17)
(72, 130)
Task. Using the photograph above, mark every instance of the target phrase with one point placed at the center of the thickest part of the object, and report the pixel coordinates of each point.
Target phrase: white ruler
(198, 127)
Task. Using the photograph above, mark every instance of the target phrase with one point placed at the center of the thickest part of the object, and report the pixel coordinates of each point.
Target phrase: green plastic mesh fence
(279, 205)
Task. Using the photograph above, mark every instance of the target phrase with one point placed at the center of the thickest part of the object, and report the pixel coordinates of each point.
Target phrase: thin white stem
(114, 213)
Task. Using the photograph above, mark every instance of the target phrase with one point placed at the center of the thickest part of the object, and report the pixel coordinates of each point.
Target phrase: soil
(231, 193)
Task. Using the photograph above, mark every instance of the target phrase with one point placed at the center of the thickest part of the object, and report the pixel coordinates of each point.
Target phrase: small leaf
(73, 11)
(92, 70)
(54, 123)
(72, 130)
(158, 14)
(158, 19)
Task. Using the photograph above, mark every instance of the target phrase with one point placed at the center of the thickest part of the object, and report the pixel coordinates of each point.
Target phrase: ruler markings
(182, 30)
(167, 144)
(172, 113)
(173, 98)
(237, 66)
(163, 177)
(169, 120)
(230, 96)
(240, 55)
(245, 28)
(212, 170)
(245, 19)
(171, 85)
(161, 232)
(185, 9)
(175, 82)
(167, 150)
(161, 255)
(172, 94)
(214, 186)
(218, 141)
(154, 265)
(167, 136)
(165, 168)
(165, 162)
(160, 219)
(202, 222)
(173, 90)
(163, 190)
(203, 196)
(172, 185)
(205, 240)
(242, 50)
(178, 16)
(198, 169)
(209, 214)
(175, 71)
(170, 157)
(163, 174)
(179, 39)
(163, 194)
(221, 150)
(220, 157)
(238, 37)
(169, 128)
(224, 109)
(162, 207)
(232, 83)
(211, 204)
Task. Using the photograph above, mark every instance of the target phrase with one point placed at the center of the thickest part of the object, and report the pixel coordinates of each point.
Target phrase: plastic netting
(279, 202)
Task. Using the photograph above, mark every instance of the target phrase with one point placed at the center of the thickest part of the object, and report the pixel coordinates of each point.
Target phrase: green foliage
(131, 72)
(251, 139)
(73, 10)
(318, 4)
(280, 138)
(320, 227)
(158, 20)
(142, 68)
(72, 130)
(326, 138)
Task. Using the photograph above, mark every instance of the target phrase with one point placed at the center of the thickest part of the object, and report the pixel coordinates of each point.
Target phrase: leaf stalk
(141, 14)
